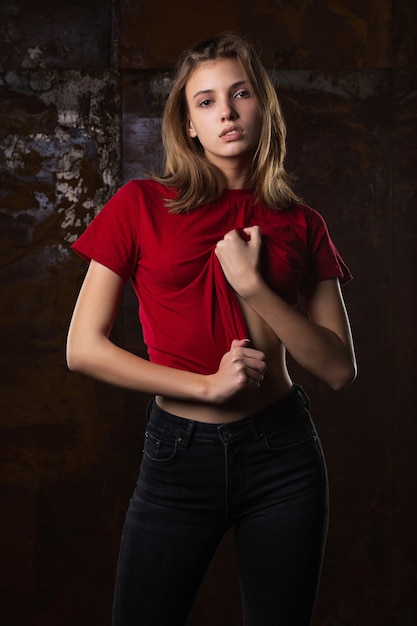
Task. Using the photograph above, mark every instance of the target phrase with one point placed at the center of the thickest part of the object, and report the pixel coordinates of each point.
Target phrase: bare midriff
(276, 383)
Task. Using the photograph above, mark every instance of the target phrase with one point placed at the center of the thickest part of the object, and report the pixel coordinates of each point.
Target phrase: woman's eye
(205, 103)
(243, 93)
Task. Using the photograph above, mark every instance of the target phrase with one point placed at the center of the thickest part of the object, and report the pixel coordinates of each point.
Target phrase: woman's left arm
(322, 342)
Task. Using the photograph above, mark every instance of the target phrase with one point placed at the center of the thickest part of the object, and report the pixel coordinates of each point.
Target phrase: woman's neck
(237, 177)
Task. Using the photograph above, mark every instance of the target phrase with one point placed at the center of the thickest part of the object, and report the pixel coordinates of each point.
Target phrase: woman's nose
(228, 112)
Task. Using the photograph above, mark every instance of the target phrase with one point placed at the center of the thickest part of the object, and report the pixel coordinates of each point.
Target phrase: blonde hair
(196, 179)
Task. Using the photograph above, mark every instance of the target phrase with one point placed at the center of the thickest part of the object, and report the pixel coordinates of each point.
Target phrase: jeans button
(227, 435)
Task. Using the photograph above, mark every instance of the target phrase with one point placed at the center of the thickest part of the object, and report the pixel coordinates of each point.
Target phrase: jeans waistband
(183, 428)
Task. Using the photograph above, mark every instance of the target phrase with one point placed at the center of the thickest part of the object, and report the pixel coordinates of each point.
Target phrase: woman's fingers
(250, 360)
(239, 256)
(241, 368)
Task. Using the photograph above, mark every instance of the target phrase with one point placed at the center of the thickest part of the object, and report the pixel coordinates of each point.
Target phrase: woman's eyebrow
(202, 92)
(205, 92)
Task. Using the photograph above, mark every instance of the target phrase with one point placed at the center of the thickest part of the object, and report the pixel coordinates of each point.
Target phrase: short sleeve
(325, 261)
(112, 238)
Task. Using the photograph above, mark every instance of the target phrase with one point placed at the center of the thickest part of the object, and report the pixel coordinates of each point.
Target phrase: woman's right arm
(90, 351)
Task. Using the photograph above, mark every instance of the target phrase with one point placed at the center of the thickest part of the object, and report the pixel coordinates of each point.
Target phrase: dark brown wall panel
(404, 411)
(153, 34)
(404, 26)
(321, 33)
(44, 34)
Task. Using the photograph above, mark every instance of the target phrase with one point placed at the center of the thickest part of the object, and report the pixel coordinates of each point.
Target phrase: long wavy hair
(195, 178)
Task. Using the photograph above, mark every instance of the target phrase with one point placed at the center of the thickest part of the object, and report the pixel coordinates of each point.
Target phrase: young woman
(220, 251)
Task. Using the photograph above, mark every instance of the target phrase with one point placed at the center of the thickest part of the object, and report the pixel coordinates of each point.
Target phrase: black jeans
(265, 476)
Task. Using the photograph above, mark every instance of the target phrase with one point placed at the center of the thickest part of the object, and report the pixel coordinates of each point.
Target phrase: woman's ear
(191, 129)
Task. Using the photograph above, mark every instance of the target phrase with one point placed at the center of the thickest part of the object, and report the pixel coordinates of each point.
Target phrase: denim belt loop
(149, 408)
(184, 439)
(255, 429)
(304, 397)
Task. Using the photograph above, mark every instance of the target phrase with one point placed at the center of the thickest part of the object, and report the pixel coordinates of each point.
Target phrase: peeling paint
(142, 146)
(32, 58)
(73, 166)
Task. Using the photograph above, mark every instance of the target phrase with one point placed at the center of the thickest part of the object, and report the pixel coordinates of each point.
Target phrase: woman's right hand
(241, 368)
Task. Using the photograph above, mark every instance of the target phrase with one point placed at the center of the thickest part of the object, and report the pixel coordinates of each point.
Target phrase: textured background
(82, 86)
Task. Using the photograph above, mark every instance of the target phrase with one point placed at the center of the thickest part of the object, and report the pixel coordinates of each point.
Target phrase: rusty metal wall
(82, 86)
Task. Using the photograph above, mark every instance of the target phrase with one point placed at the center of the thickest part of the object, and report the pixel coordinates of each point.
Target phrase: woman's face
(223, 112)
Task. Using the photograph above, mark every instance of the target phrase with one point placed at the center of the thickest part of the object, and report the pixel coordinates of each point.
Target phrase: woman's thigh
(173, 526)
(161, 567)
(281, 532)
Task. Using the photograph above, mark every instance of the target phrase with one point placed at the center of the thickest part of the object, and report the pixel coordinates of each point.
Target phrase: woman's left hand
(240, 259)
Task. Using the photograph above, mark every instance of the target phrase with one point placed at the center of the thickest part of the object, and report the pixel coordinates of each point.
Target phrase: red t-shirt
(188, 311)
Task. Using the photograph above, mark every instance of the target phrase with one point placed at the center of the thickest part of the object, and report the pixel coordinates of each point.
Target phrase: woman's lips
(231, 134)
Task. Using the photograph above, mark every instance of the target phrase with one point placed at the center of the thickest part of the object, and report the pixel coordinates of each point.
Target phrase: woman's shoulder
(306, 215)
(135, 200)
(295, 214)
(305, 210)
(148, 189)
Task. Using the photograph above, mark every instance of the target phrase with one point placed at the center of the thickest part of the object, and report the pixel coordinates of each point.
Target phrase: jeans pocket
(277, 445)
(160, 448)
(295, 432)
